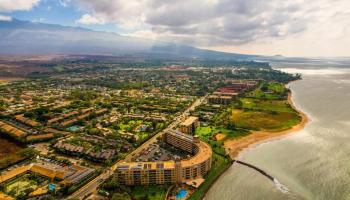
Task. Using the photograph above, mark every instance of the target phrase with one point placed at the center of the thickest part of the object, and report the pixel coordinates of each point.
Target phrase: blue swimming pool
(181, 194)
(73, 128)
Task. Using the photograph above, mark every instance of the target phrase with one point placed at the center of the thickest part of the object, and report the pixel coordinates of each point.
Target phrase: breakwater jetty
(255, 168)
(279, 186)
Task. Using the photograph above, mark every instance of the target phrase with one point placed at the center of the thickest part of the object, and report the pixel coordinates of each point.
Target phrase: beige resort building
(189, 125)
(189, 170)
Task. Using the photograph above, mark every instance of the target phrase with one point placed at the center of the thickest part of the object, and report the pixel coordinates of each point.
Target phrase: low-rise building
(11, 130)
(27, 121)
(69, 174)
(220, 99)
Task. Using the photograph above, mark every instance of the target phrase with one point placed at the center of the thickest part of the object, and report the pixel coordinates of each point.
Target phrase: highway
(92, 186)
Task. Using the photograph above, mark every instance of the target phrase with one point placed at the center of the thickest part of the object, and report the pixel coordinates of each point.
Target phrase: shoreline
(235, 147)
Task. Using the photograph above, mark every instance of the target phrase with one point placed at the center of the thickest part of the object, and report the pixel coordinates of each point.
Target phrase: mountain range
(30, 38)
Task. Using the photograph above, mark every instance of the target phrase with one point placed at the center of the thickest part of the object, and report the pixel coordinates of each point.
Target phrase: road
(92, 186)
(177, 120)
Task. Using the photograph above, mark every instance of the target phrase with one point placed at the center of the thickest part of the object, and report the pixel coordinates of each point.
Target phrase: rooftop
(189, 121)
(181, 135)
(146, 165)
(204, 151)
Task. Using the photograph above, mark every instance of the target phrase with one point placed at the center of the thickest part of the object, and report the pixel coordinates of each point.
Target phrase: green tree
(119, 196)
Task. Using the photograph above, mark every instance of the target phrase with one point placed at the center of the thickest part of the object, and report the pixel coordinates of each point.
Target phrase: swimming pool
(73, 128)
(181, 194)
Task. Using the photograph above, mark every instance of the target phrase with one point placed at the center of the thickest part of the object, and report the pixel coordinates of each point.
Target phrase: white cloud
(64, 3)
(129, 13)
(289, 27)
(14, 5)
(211, 22)
(39, 20)
(5, 18)
(90, 20)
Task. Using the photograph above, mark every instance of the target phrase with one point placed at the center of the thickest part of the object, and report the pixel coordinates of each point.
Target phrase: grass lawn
(275, 91)
(207, 132)
(219, 165)
(152, 192)
(264, 120)
(270, 105)
(266, 111)
(80, 142)
(130, 125)
(20, 185)
(276, 87)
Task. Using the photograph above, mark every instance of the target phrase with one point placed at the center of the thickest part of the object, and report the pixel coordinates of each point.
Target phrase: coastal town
(174, 100)
(81, 130)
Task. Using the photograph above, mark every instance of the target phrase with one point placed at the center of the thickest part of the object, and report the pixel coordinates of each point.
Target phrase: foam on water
(280, 187)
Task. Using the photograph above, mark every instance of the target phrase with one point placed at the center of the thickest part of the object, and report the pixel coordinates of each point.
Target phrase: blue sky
(54, 12)
(265, 27)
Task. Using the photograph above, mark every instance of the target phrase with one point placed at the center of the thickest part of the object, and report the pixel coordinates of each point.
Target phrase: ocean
(313, 163)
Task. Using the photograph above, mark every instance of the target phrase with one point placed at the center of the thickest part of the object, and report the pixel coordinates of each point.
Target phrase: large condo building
(189, 125)
(162, 172)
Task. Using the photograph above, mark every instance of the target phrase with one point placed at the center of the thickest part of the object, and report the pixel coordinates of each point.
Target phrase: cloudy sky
(265, 27)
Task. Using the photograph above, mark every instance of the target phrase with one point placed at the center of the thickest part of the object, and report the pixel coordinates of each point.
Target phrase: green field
(22, 185)
(266, 105)
(149, 192)
(265, 109)
(208, 132)
(269, 91)
(264, 120)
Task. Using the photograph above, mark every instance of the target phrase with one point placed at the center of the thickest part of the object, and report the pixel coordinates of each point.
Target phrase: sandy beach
(236, 146)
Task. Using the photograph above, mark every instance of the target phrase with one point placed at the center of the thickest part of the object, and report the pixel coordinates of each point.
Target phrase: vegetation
(149, 192)
(265, 109)
(139, 103)
(269, 91)
(112, 189)
(266, 74)
(17, 156)
(216, 137)
(69, 189)
(23, 185)
(264, 120)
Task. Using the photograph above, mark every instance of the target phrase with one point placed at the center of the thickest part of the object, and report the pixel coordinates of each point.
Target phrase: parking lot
(160, 151)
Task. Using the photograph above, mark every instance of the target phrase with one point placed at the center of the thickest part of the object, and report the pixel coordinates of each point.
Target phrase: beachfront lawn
(209, 133)
(219, 165)
(276, 87)
(269, 91)
(216, 136)
(266, 105)
(264, 120)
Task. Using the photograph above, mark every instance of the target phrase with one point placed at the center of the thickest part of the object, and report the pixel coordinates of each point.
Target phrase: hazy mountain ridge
(23, 38)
